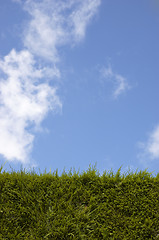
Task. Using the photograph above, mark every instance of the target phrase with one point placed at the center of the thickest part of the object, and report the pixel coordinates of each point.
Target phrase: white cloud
(56, 23)
(120, 83)
(25, 101)
(82, 16)
(25, 93)
(151, 146)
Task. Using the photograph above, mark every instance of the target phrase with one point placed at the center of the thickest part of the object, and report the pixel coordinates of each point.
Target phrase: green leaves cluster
(79, 206)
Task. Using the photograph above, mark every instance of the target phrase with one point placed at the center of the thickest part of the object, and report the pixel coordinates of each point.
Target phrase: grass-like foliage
(79, 205)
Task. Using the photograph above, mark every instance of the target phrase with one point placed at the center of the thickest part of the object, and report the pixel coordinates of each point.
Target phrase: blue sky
(79, 84)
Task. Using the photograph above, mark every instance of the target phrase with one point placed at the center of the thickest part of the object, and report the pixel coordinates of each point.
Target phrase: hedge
(79, 206)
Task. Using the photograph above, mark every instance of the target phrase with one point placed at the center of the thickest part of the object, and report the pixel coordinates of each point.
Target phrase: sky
(79, 85)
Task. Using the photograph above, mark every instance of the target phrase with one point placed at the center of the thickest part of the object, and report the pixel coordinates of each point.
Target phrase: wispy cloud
(25, 100)
(120, 83)
(150, 148)
(56, 23)
(26, 95)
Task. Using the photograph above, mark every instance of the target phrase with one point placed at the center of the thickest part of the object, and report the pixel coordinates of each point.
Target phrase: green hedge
(79, 206)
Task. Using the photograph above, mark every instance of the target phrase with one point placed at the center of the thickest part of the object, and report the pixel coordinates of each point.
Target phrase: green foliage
(79, 206)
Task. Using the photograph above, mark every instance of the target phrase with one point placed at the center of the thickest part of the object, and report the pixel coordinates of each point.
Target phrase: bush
(79, 206)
